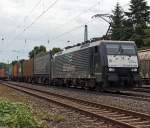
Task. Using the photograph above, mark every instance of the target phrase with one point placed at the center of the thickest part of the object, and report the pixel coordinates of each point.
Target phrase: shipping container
(2, 73)
(15, 71)
(27, 68)
(20, 70)
(9, 74)
(144, 56)
(2, 65)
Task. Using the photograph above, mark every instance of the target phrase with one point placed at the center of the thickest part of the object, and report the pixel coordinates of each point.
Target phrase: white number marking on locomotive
(122, 61)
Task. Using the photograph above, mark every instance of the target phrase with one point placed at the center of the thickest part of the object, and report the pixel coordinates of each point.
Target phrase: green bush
(15, 115)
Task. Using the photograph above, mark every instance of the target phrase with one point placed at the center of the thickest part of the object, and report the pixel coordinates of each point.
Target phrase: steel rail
(117, 116)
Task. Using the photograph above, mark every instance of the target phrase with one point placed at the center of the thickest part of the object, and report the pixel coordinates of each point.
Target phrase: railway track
(142, 89)
(140, 94)
(117, 117)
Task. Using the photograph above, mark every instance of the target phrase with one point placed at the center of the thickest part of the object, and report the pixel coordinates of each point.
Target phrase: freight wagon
(10, 67)
(20, 70)
(15, 72)
(41, 68)
(3, 71)
(28, 70)
(3, 75)
(144, 56)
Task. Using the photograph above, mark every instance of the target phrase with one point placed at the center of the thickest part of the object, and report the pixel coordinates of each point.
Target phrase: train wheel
(85, 86)
(98, 87)
(104, 84)
(139, 84)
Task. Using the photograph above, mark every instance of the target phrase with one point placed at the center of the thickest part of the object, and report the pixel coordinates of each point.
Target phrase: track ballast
(118, 117)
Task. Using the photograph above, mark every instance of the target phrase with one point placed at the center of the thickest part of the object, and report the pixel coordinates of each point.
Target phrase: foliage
(139, 13)
(37, 50)
(139, 17)
(146, 38)
(21, 61)
(14, 115)
(117, 23)
(56, 50)
(14, 62)
(3, 65)
(132, 25)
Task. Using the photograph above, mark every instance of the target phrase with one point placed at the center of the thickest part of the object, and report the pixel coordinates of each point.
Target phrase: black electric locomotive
(97, 64)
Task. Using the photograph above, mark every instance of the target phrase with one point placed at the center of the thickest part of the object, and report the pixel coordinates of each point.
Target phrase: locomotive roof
(87, 45)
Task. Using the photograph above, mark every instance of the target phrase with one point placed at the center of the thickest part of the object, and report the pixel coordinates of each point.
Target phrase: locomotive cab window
(116, 49)
(128, 49)
(112, 48)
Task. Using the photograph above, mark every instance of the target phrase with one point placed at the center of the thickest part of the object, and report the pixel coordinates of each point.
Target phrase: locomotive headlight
(134, 69)
(111, 69)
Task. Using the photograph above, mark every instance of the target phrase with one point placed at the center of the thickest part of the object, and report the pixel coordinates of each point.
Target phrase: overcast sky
(63, 22)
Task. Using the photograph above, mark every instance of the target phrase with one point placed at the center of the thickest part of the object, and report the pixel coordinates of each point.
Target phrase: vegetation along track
(118, 117)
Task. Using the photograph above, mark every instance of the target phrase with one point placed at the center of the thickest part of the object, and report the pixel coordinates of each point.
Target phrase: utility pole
(50, 67)
(17, 58)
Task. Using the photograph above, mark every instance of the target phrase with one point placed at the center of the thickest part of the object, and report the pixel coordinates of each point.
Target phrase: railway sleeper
(141, 123)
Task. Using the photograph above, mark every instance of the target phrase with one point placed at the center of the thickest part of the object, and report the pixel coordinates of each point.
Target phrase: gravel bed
(52, 115)
(121, 102)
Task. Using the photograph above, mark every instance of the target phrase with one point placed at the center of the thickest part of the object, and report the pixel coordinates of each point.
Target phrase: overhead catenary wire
(37, 18)
(30, 12)
(64, 33)
(67, 32)
(70, 31)
(77, 16)
(25, 29)
(29, 26)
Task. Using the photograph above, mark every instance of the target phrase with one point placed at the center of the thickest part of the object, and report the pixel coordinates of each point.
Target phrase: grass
(19, 115)
(16, 115)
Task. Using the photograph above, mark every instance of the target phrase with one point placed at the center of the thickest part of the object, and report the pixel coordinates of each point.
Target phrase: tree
(56, 50)
(37, 50)
(14, 62)
(146, 38)
(138, 18)
(139, 13)
(117, 23)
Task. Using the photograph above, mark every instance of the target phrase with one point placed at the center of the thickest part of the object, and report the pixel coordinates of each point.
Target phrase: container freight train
(98, 64)
(3, 71)
(144, 56)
